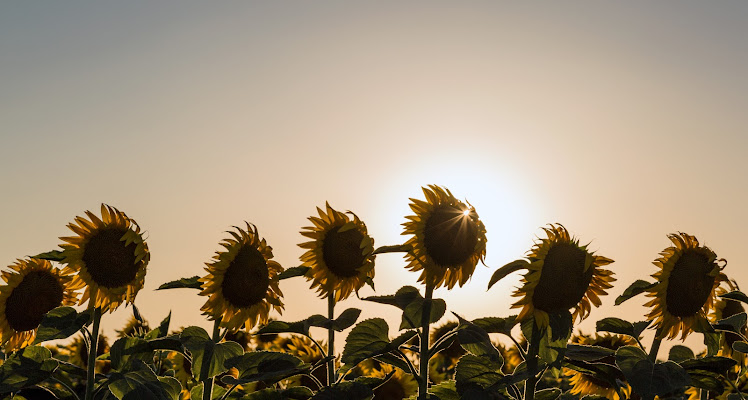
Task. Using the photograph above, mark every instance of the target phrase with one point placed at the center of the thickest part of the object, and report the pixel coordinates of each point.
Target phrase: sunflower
(583, 384)
(340, 255)
(110, 256)
(77, 352)
(454, 351)
(303, 348)
(561, 275)
(401, 385)
(685, 291)
(182, 369)
(448, 239)
(725, 308)
(242, 281)
(239, 336)
(33, 287)
(133, 327)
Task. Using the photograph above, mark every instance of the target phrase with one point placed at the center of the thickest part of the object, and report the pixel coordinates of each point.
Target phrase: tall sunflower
(340, 254)
(109, 255)
(685, 291)
(561, 275)
(583, 384)
(242, 281)
(33, 287)
(448, 239)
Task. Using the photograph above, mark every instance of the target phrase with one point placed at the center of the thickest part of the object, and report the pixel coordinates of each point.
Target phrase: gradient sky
(623, 121)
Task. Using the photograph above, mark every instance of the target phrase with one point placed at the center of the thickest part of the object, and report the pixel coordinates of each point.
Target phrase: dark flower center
(563, 280)
(450, 236)
(38, 292)
(689, 285)
(108, 260)
(342, 252)
(246, 279)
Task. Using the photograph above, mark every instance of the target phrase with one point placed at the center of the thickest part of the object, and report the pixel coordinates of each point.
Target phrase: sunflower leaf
(548, 394)
(734, 323)
(265, 366)
(346, 390)
(162, 330)
(609, 374)
(474, 374)
(507, 269)
(445, 390)
(740, 346)
(346, 319)
(275, 327)
(475, 340)
(581, 352)
(393, 360)
(144, 384)
(647, 378)
(26, 368)
(61, 323)
(54, 255)
(184, 283)
(680, 353)
(620, 326)
(369, 338)
(293, 272)
(715, 364)
(207, 355)
(413, 313)
(127, 349)
(711, 341)
(735, 295)
(707, 380)
(497, 325)
(291, 393)
(196, 393)
(635, 289)
(398, 248)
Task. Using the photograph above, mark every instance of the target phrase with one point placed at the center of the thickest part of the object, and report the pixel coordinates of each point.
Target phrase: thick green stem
(655, 346)
(532, 363)
(208, 382)
(423, 385)
(92, 347)
(331, 376)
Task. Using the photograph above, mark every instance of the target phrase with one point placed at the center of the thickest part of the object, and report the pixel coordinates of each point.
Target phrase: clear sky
(623, 121)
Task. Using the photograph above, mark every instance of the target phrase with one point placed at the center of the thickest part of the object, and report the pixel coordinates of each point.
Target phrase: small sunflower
(561, 275)
(33, 287)
(303, 348)
(110, 256)
(448, 239)
(454, 351)
(685, 291)
(133, 327)
(583, 384)
(242, 281)
(401, 385)
(725, 308)
(77, 352)
(340, 255)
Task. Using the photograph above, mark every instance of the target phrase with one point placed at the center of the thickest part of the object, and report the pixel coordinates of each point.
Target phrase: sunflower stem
(532, 363)
(331, 339)
(655, 346)
(92, 347)
(423, 384)
(208, 382)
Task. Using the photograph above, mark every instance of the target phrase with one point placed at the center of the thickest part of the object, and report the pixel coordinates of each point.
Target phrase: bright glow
(466, 212)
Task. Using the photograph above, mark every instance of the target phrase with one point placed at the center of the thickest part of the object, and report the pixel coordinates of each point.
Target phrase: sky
(622, 121)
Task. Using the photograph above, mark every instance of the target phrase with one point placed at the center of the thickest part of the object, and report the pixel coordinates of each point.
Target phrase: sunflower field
(51, 306)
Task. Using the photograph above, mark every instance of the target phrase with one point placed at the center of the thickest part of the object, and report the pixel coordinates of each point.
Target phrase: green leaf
(54, 255)
(393, 360)
(301, 327)
(497, 325)
(507, 269)
(398, 248)
(623, 327)
(635, 289)
(734, 323)
(740, 346)
(583, 352)
(293, 272)
(647, 378)
(26, 368)
(475, 340)
(370, 338)
(680, 353)
(609, 374)
(61, 323)
(184, 283)
(474, 371)
(735, 295)
(548, 350)
(291, 393)
(414, 311)
(707, 380)
(127, 349)
(346, 319)
(404, 296)
(446, 390)
(715, 364)
(143, 384)
(347, 390)
(207, 355)
(548, 394)
(196, 393)
(711, 341)
(265, 366)
(162, 330)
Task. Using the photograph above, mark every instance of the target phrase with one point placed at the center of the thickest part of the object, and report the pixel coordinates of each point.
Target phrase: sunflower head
(454, 351)
(109, 255)
(32, 288)
(401, 385)
(448, 239)
(340, 254)
(303, 348)
(725, 308)
(242, 281)
(687, 279)
(133, 327)
(562, 275)
(583, 384)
